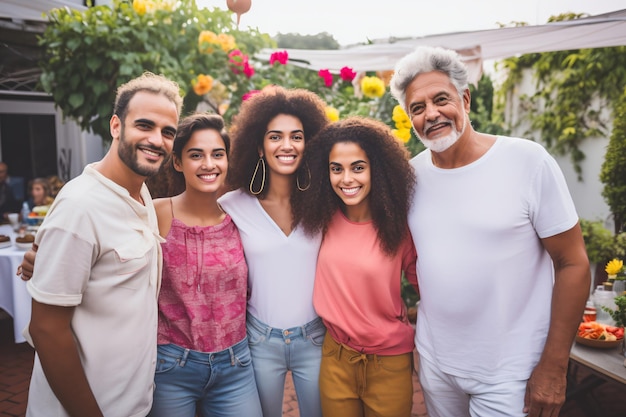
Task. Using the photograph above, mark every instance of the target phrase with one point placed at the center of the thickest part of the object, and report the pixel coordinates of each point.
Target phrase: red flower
(248, 70)
(280, 57)
(326, 76)
(347, 74)
(250, 94)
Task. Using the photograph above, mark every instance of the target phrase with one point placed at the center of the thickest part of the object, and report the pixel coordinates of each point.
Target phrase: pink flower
(237, 61)
(347, 74)
(250, 94)
(326, 76)
(280, 57)
(248, 70)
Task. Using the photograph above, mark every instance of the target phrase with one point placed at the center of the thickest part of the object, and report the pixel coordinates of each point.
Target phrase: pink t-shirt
(357, 289)
(202, 303)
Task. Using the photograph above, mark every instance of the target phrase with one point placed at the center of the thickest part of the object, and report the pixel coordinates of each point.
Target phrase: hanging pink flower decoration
(326, 76)
(249, 94)
(280, 57)
(347, 74)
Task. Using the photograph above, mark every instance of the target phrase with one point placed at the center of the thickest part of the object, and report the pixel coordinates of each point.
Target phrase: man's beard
(128, 154)
(441, 144)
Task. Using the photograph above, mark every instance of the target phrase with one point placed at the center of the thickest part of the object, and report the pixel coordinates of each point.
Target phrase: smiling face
(203, 162)
(350, 178)
(283, 145)
(437, 112)
(147, 132)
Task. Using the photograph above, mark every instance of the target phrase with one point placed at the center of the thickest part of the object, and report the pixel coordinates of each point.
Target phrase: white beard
(441, 144)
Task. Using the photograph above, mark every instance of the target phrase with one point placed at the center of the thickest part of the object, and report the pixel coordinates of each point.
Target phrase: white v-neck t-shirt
(281, 268)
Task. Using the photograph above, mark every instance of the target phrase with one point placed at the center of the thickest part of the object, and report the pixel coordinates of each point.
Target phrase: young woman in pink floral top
(203, 363)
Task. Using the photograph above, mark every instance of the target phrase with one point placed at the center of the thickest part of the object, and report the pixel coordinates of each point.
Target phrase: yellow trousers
(354, 384)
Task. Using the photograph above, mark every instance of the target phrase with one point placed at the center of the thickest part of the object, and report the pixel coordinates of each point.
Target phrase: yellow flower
(169, 5)
(139, 6)
(372, 87)
(614, 267)
(399, 113)
(332, 114)
(205, 40)
(403, 134)
(202, 84)
(226, 42)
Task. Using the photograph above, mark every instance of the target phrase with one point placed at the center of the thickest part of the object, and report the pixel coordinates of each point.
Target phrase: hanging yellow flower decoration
(202, 84)
(332, 114)
(372, 87)
(614, 267)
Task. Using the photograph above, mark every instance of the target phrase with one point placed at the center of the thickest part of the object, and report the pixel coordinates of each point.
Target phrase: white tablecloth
(14, 298)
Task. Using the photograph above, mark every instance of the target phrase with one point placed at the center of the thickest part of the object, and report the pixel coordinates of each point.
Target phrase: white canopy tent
(605, 30)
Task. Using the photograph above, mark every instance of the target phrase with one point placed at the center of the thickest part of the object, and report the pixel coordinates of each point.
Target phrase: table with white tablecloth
(14, 298)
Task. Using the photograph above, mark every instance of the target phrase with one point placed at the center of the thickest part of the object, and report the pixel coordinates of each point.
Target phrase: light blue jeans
(276, 351)
(209, 384)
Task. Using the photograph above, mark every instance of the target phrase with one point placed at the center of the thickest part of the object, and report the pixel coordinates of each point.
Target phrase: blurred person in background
(39, 193)
(8, 202)
(56, 184)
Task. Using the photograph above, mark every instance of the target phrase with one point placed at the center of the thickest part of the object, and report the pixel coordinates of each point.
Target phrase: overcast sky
(356, 21)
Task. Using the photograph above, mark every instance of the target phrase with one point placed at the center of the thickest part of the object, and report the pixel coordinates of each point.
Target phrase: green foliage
(566, 84)
(619, 314)
(89, 54)
(602, 245)
(613, 173)
(408, 293)
(484, 117)
(321, 41)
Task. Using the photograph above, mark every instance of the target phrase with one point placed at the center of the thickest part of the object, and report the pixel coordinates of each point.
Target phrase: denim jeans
(276, 351)
(209, 384)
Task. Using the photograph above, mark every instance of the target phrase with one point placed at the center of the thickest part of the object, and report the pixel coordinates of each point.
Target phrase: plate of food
(24, 242)
(5, 241)
(598, 335)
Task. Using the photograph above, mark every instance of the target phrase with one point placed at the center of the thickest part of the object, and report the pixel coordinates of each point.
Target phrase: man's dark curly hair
(392, 180)
(250, 124)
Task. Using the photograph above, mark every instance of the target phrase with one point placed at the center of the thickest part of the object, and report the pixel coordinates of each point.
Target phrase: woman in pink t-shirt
(359, 198)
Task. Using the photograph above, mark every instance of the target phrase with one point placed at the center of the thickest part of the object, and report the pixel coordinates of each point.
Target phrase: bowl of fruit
(599, 335)
(36, 216)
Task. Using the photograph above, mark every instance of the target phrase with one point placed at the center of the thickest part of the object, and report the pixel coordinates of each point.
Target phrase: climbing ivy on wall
(613, 173)
(567, 82)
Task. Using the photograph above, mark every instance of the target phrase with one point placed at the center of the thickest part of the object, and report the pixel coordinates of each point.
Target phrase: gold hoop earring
(256, 169)
(308, 171)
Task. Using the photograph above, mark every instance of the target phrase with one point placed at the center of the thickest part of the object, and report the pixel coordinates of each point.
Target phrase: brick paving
(16, 361)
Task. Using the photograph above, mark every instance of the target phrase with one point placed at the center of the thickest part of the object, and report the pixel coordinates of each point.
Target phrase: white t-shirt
(281, 269)
(485, 279)
(99, 250)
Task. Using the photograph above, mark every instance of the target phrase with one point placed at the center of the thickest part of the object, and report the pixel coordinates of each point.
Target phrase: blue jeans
(209, 384)
(276, 351)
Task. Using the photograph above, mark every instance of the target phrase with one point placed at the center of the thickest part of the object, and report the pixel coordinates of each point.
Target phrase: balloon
(239, 7)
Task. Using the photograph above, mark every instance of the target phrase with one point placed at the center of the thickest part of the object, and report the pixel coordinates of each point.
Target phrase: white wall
(587, 194)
